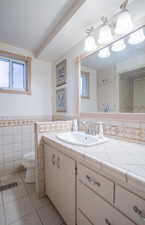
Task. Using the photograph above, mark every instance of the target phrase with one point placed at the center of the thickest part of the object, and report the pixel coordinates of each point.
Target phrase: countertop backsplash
(130, 131)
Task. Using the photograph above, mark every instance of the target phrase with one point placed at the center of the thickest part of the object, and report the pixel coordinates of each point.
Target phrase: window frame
(14, 58)
(87, 74)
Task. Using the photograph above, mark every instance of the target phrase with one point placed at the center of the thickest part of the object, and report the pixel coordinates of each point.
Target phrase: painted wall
(71, 86)
(107, 89)
(37, 104)
(90, 104)
(18, 139)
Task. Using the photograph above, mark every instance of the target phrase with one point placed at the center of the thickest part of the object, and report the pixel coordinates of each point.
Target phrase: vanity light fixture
(90, 43)
(137, 37)
(104, 53)
(118, 46)
(105, 34)
(124, 22)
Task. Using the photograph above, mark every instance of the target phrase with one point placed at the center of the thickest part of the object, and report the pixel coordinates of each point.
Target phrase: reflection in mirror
(113, 78)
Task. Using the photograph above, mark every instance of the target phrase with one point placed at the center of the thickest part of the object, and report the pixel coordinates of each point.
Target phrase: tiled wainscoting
(42, 128)
(16, 139)
(126, 130)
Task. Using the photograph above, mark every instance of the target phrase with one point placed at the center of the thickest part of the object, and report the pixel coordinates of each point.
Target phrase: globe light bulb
(137, 37)
(105, 35)
(104, 53)
(90, 44)
(118, 46)
(124, 23)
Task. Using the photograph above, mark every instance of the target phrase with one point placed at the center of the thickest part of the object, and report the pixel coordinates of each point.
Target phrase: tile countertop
(121, 160)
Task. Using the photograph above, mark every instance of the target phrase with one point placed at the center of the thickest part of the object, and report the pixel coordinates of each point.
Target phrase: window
(84, 85)
(14, 73)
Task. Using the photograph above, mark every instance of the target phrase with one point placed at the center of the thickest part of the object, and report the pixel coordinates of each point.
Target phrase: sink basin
(80, 139)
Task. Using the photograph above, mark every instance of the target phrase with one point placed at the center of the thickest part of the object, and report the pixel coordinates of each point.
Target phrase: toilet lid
(29, 156)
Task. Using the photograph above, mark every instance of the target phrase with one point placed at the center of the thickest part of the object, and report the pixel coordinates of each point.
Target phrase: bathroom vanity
(96, 185)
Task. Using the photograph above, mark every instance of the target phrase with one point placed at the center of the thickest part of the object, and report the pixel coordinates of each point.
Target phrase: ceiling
(26, 23)
(49, 28)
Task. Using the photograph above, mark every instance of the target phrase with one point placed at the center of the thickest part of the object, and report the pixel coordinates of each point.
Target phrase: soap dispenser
(75, 125)
(101, 135)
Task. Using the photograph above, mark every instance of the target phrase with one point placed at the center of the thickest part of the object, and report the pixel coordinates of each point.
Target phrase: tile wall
(16, 139)
(126, 130)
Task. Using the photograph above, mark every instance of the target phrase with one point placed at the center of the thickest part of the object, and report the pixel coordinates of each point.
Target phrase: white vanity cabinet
(96, 182)
(60, 182)
(85, 197)
(130, 204)
(95, 211)
(92, 208)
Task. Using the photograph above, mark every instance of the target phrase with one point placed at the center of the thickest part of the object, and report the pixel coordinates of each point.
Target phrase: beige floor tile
(31, 219)
(49, 216)
(17, 209)
(39, 203)
(30, 188)
(14, 193)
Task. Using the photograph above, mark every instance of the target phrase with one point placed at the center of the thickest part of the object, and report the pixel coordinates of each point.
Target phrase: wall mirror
(113, 78)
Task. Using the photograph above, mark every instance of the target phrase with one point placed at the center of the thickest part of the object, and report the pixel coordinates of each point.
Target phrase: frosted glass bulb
(118, 46)
(104, 53)
(136, 37)
(105, 35)
(124, 23)
(90, 44)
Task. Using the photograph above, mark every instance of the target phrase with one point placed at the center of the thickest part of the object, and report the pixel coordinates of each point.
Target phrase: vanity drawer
(131, 205)
(96, 182)
(98, 211)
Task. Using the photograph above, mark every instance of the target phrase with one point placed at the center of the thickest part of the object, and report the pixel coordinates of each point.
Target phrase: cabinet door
(50, 173)
(60, 183)
(66, 187)
(82, 220)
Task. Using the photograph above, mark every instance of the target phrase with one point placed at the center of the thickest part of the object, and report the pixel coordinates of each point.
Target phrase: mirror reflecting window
(115, 82)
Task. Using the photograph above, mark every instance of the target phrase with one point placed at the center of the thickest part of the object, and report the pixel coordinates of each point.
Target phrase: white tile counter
(117, 159)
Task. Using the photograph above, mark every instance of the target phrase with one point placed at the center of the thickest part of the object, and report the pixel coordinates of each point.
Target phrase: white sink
(80, 139)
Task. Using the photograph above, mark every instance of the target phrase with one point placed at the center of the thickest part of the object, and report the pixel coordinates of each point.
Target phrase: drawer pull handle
(107, 222)
(53, 159)
(139, 212)
(91, 180)
(58, 162)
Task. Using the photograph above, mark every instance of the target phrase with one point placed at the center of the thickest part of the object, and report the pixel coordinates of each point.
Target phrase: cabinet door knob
(107, 222)
(58, 162)
(53, 159)
(139, 212)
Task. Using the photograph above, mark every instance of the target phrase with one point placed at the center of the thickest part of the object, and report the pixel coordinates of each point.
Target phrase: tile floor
(20, 205)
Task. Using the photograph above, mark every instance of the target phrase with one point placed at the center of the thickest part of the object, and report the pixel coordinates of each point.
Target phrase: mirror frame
(99, 115)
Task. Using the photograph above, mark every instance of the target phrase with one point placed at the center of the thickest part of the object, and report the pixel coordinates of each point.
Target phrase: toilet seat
(29, 157)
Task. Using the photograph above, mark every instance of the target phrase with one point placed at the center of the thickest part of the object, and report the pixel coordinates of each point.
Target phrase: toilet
(29, 164)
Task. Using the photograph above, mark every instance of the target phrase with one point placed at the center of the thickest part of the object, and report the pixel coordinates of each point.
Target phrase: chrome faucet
(90, 129)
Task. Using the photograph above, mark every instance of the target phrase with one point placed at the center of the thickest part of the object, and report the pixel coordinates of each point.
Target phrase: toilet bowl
(29, 164)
